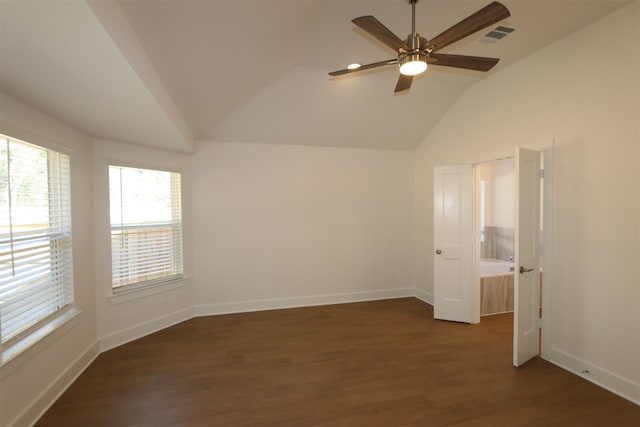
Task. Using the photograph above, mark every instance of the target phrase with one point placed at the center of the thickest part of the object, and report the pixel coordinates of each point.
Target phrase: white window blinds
(146, 226)
(36, 275)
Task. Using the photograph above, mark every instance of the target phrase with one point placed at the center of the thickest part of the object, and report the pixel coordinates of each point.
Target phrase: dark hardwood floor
(382, 363)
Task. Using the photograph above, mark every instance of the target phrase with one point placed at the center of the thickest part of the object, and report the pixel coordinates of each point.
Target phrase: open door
(527, 257)
(453, 241)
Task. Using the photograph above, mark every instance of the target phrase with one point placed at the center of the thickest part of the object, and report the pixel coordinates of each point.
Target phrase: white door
(527, 257)
(453, 241)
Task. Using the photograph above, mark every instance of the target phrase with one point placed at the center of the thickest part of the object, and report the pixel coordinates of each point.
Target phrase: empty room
(319, 213)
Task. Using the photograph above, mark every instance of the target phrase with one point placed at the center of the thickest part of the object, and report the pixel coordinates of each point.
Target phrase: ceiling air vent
(496, 34)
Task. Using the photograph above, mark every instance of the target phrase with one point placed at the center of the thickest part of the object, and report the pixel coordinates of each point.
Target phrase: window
(36, 274)
(146, 226)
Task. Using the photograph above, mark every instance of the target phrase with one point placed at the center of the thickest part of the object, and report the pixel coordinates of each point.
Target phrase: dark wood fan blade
(486, 16)
(404, 83)
(364, 67)
(374, 27)
(477, 63)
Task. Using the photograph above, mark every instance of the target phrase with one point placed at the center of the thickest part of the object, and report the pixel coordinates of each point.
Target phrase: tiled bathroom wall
(497, 243)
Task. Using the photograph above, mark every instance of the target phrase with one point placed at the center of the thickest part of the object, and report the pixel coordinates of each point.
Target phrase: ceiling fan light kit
(415, 53)
(413, 64)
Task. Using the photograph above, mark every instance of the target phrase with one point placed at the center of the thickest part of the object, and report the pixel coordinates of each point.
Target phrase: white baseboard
(423, 296)
(307, 301)
(50, 394)
(599, 376)
(124, 336)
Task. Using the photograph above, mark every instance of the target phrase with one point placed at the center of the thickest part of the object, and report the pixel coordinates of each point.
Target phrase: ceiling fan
(416, 52)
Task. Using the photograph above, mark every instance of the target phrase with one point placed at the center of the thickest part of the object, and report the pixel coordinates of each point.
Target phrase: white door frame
(476, 234)
(548, 195)
(547, 250)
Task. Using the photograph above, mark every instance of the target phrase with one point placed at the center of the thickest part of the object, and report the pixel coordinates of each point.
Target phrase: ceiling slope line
(120, 31)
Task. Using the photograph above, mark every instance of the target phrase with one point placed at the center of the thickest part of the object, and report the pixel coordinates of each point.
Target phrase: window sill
(126, 295)
(41, 335)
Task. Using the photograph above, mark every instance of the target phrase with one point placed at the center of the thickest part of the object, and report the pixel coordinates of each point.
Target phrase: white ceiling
(163, 73)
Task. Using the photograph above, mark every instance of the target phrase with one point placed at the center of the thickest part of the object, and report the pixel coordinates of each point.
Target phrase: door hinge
(539, 322)
(541, 173)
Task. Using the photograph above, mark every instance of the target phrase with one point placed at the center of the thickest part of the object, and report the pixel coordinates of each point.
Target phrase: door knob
(525, 270)
(438, 251)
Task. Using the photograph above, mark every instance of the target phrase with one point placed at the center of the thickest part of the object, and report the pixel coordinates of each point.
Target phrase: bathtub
(496, 286)
(495, 267)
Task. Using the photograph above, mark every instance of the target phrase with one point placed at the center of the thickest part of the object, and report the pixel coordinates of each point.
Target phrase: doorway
(456, 255)
(494, 225)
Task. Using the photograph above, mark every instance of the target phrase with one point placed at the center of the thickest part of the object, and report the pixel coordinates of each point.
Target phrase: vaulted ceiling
(166, 73)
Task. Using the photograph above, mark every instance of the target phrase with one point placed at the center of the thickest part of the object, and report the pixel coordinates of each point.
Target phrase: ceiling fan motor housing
(414, 62)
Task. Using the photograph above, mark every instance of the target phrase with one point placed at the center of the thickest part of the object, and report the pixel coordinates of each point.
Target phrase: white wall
(500, 184)
(503, 192)
(290, 225)
(582, 91)
(282, 225)
(32, 381)
(125, 318)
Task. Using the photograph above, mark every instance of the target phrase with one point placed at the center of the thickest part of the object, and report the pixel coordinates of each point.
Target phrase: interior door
(527, 257)
(453, 241)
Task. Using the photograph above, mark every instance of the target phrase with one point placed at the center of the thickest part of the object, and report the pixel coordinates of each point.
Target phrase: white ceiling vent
(496, 34)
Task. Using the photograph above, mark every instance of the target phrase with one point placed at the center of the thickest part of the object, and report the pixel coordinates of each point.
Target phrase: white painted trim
(33, 138)
(547, 250)
(130, 293)
(15, 356)
(423, 296)
(306, 301)
(50, 394)
(599, 376)
(127, 163)
(126, 335)
(477, 244)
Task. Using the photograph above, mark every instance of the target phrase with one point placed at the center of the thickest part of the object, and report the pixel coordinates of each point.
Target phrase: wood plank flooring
(381, 363)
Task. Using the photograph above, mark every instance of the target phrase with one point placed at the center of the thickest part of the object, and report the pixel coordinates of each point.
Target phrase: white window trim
(59, 323)
(123, 294)
(41, 336)
(162, 167)
(133, 292)
(33, 138)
